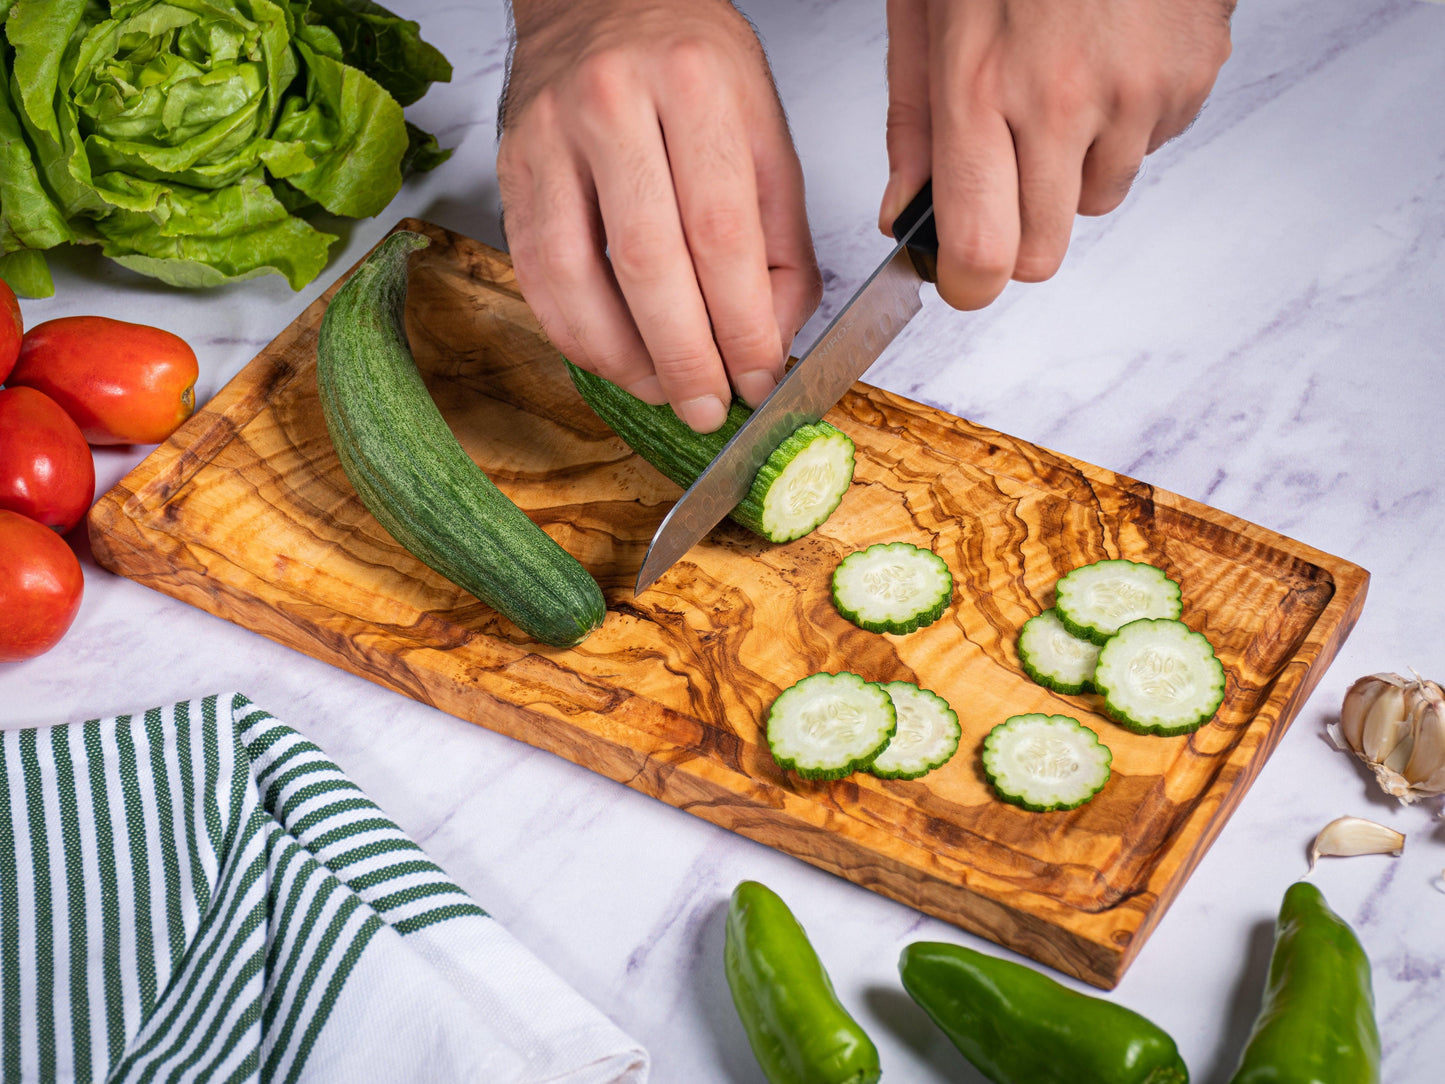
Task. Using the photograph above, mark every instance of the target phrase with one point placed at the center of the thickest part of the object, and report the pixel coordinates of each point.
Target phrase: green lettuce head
(183, 136)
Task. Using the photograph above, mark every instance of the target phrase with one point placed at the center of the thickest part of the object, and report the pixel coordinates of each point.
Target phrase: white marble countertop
(1260, 327)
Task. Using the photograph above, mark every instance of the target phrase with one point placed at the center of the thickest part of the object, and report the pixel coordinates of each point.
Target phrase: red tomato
(12, 328)
(40, 587)
(122, 383)
(46, 470)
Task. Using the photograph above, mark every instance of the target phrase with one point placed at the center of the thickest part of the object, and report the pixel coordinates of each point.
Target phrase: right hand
(653, 200)
(1026, 112)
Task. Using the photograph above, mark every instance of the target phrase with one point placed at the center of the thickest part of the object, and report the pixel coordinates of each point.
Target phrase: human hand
(653, 200)
(1025, 112)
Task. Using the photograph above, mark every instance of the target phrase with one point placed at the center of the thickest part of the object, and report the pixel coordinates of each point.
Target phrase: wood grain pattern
(246, 513)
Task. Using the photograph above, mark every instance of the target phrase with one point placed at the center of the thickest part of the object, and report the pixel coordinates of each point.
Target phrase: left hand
(1025, 112)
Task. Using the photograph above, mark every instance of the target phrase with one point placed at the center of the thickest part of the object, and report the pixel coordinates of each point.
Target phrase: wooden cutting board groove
(246, 513)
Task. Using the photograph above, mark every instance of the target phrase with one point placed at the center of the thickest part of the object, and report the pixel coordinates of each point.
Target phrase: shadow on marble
(714, 1002)
(1245, 998)
(911, 1027)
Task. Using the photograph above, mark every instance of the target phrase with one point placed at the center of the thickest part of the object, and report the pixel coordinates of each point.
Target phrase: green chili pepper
(1317, 1022)
(799, 1030)
(1018, 1026)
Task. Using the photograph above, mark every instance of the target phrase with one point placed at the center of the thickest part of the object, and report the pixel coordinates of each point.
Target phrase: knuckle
(604, 81)
(1137, 91)
(984, 258)
(1037, 263)
(1069, 93)
(562, 257)
(587, 347)
(543, 109)
(907, 115)
(748, 340)
(616, 365)
(1107, 180)
(691, 67)
(634, 254)
(1101, 199)
(685, 366)
(990, 78)
(721, 228)
(973, 270)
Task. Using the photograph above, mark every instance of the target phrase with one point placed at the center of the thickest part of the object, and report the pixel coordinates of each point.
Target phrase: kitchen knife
(843, 352)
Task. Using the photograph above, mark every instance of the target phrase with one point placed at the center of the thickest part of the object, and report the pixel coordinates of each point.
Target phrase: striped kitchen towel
(198, 893)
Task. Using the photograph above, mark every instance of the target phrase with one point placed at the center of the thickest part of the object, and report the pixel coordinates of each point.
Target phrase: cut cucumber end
(827, 726)
(1159, 676)
(1054, 657)
(804, 481)
(785, 501)
(892, 587)
(927, 734)
(1045, 762)
(1094, 601)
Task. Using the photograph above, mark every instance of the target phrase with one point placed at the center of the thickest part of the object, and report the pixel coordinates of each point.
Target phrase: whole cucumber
(418, 481)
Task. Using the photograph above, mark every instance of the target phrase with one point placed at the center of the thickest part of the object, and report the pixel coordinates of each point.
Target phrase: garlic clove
(1357, 704)
(1386, 725)
(1348, 836)
(1428, 787)
(1425, 767)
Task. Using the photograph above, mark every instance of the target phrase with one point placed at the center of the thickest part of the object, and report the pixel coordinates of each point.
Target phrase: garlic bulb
(1396, 725)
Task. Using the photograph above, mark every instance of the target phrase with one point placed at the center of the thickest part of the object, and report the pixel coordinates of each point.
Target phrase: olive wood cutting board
(246, 513)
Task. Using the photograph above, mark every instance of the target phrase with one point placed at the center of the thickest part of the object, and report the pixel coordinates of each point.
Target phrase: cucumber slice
(1054, 657)
(1096, 600)
(803, 481)
(827, 726)
(1043, 762)
(1159, 676)
(927, 734)
(892, 587)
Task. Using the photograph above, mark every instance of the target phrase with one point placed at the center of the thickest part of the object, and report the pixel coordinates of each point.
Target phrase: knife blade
(863, 328)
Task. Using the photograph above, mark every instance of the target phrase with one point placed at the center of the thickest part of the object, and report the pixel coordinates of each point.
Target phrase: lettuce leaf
(26, 273)
(388, 49)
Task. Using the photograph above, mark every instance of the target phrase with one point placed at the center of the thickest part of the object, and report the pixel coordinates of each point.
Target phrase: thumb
(910, 123)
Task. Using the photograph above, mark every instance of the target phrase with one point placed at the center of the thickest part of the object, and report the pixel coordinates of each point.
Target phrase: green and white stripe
(184, 894)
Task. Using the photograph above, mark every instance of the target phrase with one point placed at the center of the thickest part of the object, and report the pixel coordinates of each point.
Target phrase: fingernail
(649, 390)
(754, 386)
(704, 414)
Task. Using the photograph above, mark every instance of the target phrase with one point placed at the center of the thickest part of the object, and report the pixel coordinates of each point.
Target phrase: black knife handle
(923, 245)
